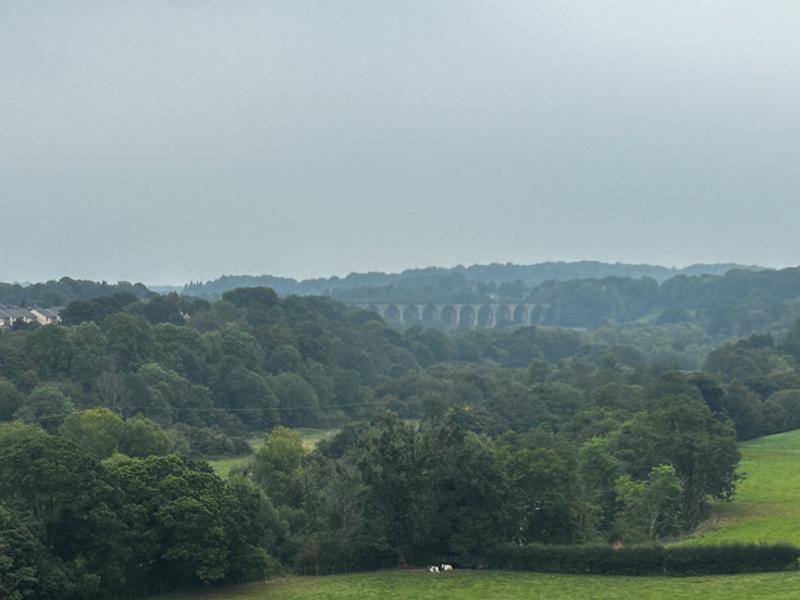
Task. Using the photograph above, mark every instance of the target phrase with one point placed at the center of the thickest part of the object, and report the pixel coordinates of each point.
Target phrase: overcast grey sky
(169, 141)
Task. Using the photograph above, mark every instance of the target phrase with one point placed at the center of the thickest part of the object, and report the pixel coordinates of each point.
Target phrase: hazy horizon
(164, 142)
(388, 272)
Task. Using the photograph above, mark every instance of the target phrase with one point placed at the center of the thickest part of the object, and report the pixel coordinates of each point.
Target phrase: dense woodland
(447, 444)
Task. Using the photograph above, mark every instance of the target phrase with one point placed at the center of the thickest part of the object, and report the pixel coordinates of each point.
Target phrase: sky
(172, 141)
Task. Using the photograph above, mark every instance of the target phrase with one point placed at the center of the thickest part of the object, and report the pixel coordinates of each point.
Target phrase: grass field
(311, 438)
(767, 505)
(498, 585)
(767, 509)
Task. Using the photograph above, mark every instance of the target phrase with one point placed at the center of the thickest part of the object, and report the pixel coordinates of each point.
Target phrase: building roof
(49, 313)
(15, 312)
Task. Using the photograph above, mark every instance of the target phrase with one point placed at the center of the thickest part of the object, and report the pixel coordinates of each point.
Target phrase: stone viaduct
(459, 316)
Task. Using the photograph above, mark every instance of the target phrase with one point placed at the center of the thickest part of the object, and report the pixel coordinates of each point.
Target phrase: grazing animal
(447, 567)
(433, 569)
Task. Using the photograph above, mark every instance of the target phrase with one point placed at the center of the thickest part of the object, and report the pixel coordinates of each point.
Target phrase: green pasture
(767, 504)
(499, 585)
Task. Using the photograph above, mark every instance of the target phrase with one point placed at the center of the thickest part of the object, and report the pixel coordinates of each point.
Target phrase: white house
(45, 316)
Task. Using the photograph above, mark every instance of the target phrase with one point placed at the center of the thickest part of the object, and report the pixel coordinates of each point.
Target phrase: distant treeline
(508, 279)
(65, 290)
(739, 302)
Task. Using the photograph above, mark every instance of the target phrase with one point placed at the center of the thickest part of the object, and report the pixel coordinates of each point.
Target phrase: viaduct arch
(459, 316)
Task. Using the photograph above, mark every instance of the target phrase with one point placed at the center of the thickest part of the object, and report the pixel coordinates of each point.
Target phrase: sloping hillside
(767, 505)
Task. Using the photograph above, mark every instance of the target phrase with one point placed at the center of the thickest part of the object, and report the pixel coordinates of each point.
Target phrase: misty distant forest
(617, 420)
(423, 300)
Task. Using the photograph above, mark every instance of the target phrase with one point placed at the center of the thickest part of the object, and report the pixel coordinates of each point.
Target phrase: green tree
(791, 343)
(542, 495)
(165, 396)
(337, 531)
(99, 431)
(251, 394)
(75, 503)
(461, 505)
(47, 406)
(682, 432)
(142, 437)
(10, 399)
(129, 340)
(746, 411)
(278, 466)
(51, 350)
(598, 471)
(16, 431)
(26, 570)
(256, 529)
(161, 309)
(252, 298)
(285, 358)
(298, 401)
(182, 350)
(782, 410)
(387, 458)
(178, 524)
(95, 309)
(89, 359)
(651, 509)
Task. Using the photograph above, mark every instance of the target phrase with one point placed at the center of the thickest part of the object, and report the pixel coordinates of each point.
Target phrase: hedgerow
(646, 560)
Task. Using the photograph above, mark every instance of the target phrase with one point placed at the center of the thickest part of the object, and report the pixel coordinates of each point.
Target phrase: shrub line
(646, 560)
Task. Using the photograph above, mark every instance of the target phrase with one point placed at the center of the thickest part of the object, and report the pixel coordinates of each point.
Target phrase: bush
(646, 560)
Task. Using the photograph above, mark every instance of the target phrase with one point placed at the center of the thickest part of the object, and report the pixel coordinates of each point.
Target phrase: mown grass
(500, 585)
(311, 437)
(767, 504)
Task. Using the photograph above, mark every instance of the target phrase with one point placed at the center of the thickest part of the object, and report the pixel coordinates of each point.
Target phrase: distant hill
(525, 276)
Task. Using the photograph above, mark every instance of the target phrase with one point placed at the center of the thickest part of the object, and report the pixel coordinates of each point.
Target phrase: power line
(217, 408)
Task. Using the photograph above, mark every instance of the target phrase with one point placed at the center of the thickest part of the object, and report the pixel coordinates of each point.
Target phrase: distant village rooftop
(11, 314)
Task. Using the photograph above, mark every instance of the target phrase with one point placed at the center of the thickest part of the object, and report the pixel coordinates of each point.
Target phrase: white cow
(447, 567)
(433, 569)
